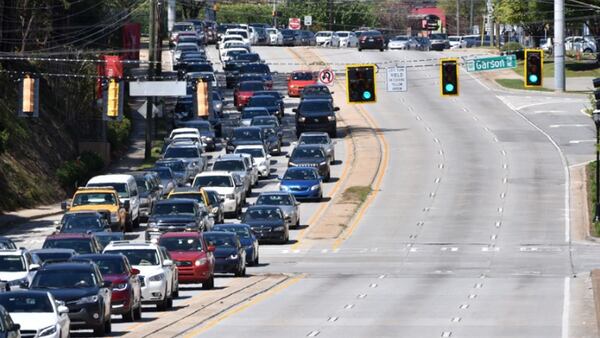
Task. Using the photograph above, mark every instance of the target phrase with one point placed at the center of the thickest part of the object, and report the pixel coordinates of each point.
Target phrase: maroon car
(244, 91)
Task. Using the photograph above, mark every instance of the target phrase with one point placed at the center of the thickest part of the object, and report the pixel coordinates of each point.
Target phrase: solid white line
(563, 159)
(565, 312)
(576, 125)
(581, 141)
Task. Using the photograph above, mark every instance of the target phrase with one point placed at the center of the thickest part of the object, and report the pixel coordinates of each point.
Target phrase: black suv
(311, 156)
(85, 293)
(316, 115)
(180, 214)
(371, 40)
(316, 91)
(244, 136)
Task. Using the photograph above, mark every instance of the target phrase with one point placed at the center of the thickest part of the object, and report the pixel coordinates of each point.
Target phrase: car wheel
(209, 284)
(176, 292)
(241, 272)
(137, 315)
(130, 315)
(333, 133)
(256, 260)
(136, 223)
(164, 305)
(100, 330)
(381, 49)
(328, 176)
(297, 225)
(359, 49)
(170, 302)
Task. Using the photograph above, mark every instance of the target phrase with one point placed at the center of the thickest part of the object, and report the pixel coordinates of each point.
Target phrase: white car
(239, 31)
(158, 273)
(38, 313)
(457, 42)
(260, 158)
(400, 42)
(585, 44)
(18, 267)
(178, 131)
(186, 46)
(275, 37)
(229, 53)
(231, 37)
(229, 186)
(327, 38)
(347, 39)
(231, 45)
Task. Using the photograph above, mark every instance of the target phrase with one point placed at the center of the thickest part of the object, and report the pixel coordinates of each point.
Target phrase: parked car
(585, 44)
(17, 267)
(192, 255)
(288, 38)
(371, 40)
(439, 41)
(322, 139)
(457, 42)
(286, 202)
(247, 239)
(53, 255)
(316, 115)
(230, 255)
(327, 38)
(158, 273)
(37, 313)
(267, 223)
(81, 243)
(229, 186)
(126, 298)
(176, 214)
(275, 37)
(303, 183)
(347, 39)
(81, 287)
(401, 42)
(423, 43)
(298, 80)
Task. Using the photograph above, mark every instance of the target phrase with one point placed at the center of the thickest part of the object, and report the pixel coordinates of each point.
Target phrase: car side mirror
(168, 262)
(16, 327)
(34, 267)
(211, 248)
(160, 186)
(64, 205)
(62, 309)
(296, 203)
(336, 109)
(24, 285)
(135, 271)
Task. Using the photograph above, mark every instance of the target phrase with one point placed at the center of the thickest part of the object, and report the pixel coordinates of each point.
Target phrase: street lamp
(596, 118)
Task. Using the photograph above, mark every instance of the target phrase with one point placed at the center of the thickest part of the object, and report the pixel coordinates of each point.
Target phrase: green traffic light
(449, 87)
(366, 95)
(533, 78)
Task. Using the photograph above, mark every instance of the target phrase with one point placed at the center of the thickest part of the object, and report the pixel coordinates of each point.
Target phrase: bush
(4, 135)
(513, 48)
(93, 162)
(118, 133)
(76, 172)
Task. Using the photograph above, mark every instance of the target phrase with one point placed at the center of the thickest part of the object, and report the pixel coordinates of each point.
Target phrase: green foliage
(77, 172)
(4, 136)
(532, 15)
(118, 133)
(245, 13)
(511, 47)
(464, 10)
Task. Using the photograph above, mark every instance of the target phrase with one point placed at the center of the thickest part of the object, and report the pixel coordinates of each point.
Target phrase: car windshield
(255, 68)
(61, 279)
(221, 240)
(262, 214)
(264, 121)
(325, 34)
(173, 209)
(229, 165)
(342, 34)
(300, 175)
(454, 38)
(316, 90)
(109, 266)
(143, 257)
(301, 152)
(246, 134)
(181, 48)
(213, 181)
(181, 244)
(176, 152)
(53, 256)
(199, 68)
(371, 33)
(108, 237)
(287, 32)
(241, 231)
(251, 86)
(183, 28)
(142, 185)
(274, 200)
(175, 166)
(163, 173)
(194, 196)
(247, 57)
(303, 76)
(438, 36)
(81, 223)
(250, 113)
(12, 263)
(244, 34)
(94, 198)
(254, 152)
(26, 303)
(262, 101)
(81, 246)
(315, 106)
(314, 140)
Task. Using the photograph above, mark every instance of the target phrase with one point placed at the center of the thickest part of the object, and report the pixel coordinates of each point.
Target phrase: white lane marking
(431, 195)
(500, 210)
(313, 334)
(373, 285)
(463, 306)
(567, 202)
(441, 166)
(498, 224)
(420, 223)
(332, 319)
(381, 277)
(348, 306)
(441, 152)
(547, 111)
(362, 295)
(505, 166)
(466, 110)
(453, 249)
(437, 180)
(478, 286)
(285, 251)
(336, 250)
(581, 141)
(565, 312)
(503, 195)
(418, 118)
(496, 139)
(426, 209)
(446, 334)
(576, 125)
(472, 296)
(493, 237)
(455, 319)
(504, 180)
(324, 251)
(410, 108)
(436, 140)
(296, 251)
(503, 152)
(428, 129)
(475, 118)
(413, 249)
(486, 129)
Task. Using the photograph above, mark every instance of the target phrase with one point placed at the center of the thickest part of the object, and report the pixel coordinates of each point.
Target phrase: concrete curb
(595, 274)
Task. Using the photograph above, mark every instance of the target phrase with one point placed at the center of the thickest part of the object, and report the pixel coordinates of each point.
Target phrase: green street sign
(492, 63)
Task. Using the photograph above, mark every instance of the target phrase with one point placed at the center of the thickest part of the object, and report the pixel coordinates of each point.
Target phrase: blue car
(302, 182)
(230, 256)
(247, 238)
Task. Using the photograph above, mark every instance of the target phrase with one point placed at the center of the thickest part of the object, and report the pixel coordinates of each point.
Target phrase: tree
(531, 15)
(449, 8)
(191, 9)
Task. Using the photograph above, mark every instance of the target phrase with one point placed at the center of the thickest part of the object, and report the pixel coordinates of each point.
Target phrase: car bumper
(224, 265)
(195, 274)
(121, 302)
(153, 292)
(269, 236)
(305, 194)
(229, 205)
(322, 127)
(264, 171)
(85, 316)
(371, 45)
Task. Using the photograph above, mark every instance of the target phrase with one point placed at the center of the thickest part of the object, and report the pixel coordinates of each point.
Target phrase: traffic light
(202, 103)
(29, 97)
(449, 77)
(113, 91)
(360, 83)
(534, 66)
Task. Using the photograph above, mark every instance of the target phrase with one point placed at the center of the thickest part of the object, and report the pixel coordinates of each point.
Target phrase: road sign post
(396, 79)
(492, 63)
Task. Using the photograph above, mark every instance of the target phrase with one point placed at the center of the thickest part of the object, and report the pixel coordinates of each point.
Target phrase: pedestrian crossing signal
(449, 77)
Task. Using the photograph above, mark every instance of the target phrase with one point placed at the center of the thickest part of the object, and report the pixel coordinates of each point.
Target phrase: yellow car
(104, 200)
(199, 195)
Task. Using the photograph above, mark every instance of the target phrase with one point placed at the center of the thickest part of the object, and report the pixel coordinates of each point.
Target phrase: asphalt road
(469, 233)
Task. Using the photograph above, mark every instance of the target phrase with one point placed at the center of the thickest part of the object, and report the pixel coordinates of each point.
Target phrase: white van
(127, 189)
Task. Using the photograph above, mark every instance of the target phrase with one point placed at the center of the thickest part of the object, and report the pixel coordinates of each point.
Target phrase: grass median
(518, 84)
(591, 190)
(356, 194)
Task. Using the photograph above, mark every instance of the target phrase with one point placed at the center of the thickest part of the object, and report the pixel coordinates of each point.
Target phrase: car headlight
(88, 299)
(193, 164)
(323, 163)
(279, 228)
(233, 256)
(120, 287)
(284, 188)
(200, 261)
(315, 187)
(157, 278)
(230, 196)
(331, 118)
(301, 119)
(48, 331)
(208, 139)
(291, 164)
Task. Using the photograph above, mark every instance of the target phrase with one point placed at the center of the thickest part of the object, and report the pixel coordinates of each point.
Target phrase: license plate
(370, 39)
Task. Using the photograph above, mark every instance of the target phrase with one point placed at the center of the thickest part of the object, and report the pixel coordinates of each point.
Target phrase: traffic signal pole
(151, 66)
(559, 45)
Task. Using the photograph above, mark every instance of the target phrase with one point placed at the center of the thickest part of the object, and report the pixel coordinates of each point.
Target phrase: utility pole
(559, 45)
(471, 18)
(457, 18)
(151, 65)
(330, 13)
(275, 13)
(171, 5)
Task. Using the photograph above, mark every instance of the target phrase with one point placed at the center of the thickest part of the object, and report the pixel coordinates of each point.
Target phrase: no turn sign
(326, 76)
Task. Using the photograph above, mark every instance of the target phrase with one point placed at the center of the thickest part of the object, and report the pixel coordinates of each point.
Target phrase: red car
(298, 80)
(126, 299)
(193, 257)
(244, 91)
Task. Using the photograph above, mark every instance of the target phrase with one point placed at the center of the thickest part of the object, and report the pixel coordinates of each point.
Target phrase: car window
(139, 256)
(81, 246)
(300, 175)
(262, 214)
(213, 181)
(60, 279)
(173, 209)
(219, 240)
(274, 200)
(28, 303)
(181, 244)
(311, 152)
(12, 263)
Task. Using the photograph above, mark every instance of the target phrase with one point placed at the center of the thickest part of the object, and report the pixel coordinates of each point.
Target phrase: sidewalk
(26, 215)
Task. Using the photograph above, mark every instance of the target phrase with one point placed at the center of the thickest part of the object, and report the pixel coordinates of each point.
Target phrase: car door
(61, 318)
(134, 280)
(170, 271)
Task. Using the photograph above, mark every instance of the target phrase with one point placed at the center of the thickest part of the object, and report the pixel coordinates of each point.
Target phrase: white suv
(17, 267)
(229, 186)
(158, 273)
(260, 158)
